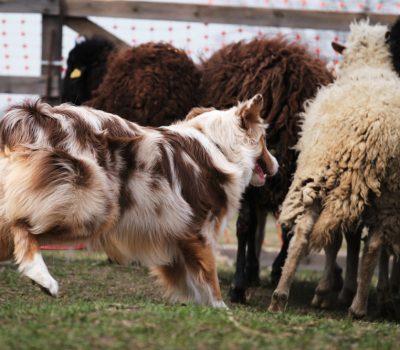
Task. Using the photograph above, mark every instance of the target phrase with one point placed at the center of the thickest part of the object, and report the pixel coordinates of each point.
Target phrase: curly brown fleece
(286, 75)
(152, 84)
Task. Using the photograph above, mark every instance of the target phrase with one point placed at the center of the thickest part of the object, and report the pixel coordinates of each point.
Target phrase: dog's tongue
(260, 172)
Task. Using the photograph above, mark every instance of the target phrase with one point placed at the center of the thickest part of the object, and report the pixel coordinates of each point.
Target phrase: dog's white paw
(37, 271)
(219, 304)
(52, 287)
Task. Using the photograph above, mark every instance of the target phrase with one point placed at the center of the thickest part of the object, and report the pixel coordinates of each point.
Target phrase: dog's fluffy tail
(47, 187)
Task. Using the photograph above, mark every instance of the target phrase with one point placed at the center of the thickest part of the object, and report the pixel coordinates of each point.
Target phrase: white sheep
(349, 162)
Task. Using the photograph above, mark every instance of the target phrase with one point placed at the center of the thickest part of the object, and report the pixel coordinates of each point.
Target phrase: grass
(105, 306)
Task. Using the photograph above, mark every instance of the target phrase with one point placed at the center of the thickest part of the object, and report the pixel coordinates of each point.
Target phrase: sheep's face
(366, 46)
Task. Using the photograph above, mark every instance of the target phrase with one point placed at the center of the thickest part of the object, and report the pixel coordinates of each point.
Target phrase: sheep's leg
(297, 249)
(369, 259)
(27, 255)
(279, 261)
(331, 279)
(245, 231)
(395, 276)
(349, 289)
(385, 302)
(254, 247)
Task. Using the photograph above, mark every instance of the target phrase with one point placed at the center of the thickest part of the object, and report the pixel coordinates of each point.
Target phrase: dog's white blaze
(37, 271)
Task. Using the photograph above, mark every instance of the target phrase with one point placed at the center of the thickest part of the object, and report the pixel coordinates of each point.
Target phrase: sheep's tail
(324, 230)
(338, 215)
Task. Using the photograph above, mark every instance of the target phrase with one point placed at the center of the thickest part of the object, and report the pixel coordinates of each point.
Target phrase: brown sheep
(152, 84)
(286, 75)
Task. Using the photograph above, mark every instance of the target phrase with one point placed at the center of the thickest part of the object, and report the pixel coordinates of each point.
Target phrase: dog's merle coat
(160, 196)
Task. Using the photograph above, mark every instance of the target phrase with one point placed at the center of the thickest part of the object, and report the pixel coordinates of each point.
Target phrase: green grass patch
(103, 306)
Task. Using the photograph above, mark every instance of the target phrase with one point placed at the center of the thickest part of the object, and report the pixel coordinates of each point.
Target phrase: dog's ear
(194, 112)
(249, 111)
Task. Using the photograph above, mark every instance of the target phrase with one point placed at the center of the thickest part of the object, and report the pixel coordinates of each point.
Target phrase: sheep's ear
(339, 48)
(249, 111)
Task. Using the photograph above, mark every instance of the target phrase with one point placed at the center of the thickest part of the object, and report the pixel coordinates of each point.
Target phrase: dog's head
(254, 129)
(240, 133)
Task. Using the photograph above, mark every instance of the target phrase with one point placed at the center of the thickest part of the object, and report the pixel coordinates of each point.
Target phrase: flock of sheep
(335, 134)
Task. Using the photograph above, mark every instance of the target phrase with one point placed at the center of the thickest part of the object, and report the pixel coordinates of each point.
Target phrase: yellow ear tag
(76, 73)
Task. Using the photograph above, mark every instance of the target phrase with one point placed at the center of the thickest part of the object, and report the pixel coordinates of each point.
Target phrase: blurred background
(21, 34)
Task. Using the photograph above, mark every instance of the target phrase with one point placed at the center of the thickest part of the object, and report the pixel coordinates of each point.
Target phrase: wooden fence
(73, 13)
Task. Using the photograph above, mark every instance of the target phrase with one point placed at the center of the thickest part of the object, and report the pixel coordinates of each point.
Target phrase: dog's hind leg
(192, 276)
(27, 255)
(202, 276)
(172, 277)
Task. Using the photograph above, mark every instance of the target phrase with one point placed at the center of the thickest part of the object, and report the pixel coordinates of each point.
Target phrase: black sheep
(86, 66)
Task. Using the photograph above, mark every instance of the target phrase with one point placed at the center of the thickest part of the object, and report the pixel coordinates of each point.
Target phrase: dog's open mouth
(259, 174)
(265, 166)
(261, 169)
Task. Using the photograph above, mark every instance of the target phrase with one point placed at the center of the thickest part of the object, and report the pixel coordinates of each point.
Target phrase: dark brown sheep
(151, 84)
(286, 75)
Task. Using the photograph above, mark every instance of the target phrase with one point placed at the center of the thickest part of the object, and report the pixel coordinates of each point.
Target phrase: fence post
(52, 54)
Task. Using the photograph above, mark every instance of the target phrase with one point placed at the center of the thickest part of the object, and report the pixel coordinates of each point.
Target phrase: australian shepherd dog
(158, 195)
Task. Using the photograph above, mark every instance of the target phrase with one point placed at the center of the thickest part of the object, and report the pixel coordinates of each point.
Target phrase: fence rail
(74, 13)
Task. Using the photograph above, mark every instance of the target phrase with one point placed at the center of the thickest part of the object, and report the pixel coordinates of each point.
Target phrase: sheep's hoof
(357, 314)
(387, 311)
(278, 301)
(237, 295)
(317, 300)
(322, 300)
(346, 296)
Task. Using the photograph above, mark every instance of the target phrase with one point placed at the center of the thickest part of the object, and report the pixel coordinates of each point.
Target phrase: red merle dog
(157, 195)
